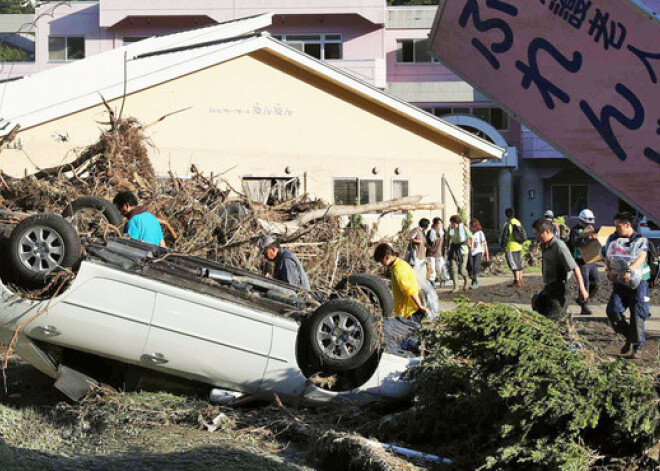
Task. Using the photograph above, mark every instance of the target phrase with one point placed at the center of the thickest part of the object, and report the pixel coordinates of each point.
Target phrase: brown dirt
(502, 293)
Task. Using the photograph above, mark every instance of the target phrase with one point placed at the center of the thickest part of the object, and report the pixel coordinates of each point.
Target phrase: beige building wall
(257, 115)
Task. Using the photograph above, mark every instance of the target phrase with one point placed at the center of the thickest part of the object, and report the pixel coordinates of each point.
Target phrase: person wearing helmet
(581, 234)
(550, 216)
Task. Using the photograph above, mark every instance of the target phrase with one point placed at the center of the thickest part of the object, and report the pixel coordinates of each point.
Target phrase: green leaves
(506, 388)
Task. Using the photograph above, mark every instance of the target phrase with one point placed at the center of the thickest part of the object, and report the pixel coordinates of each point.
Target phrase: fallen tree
(503, 388)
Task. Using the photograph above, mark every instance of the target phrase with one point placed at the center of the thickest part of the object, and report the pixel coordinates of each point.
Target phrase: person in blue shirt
(140, 224)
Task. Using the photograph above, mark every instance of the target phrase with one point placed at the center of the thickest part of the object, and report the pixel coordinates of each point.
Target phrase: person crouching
(405, 289)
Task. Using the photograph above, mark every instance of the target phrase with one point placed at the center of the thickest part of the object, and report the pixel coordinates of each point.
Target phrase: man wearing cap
(557, 265)
(581, 234)
(287, 266)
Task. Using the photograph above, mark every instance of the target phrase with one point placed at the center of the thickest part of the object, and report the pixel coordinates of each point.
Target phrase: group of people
(438, 254)
(626, 254)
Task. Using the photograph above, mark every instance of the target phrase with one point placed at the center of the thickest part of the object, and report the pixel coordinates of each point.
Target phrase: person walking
(460, 242)
(549, 215)
(511, 240)
(478, 251)
(405, 289)
(287, 266)
(416, 255)
(435, 245)
(581, 234)
(557, 266)
(626, 256)
(140, 224)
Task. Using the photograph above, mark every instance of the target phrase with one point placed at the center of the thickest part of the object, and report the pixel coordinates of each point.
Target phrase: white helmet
(587, 216)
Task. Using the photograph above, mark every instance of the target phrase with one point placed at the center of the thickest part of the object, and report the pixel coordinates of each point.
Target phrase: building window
(496, 117)
(132, 39)
(357, 191)
(270, 190)
(321, 46)
(413, 51)
(400, 190)
(69, 48)
(569, 200)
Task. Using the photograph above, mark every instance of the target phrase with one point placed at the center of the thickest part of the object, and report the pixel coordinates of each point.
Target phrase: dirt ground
(40, 429)
(500, 292)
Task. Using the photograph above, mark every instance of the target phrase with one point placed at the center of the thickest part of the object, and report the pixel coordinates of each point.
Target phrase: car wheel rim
(340, 336)
(41, 249)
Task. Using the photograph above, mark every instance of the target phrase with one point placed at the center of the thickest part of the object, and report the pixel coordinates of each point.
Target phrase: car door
(208, 339)
(108, 316)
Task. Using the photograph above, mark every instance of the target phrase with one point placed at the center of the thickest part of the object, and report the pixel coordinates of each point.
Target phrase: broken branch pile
(203, 215)
(503, 388)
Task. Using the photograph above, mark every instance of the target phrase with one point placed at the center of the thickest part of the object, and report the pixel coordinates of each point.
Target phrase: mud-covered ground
(41, 429)
(155, 430)
(497, 289)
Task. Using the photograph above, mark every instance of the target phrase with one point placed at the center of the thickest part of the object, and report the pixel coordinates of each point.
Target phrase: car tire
(375, 288)
(340, 349)
(102, 205)
(41, 244)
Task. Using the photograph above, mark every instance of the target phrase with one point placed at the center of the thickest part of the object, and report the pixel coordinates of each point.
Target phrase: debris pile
(202, 215)
(503, 388)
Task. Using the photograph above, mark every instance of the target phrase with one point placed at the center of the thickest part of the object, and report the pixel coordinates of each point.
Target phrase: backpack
(654, 265)
(518, 232)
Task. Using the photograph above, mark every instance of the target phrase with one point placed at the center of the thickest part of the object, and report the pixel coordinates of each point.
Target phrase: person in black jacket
(581, 234)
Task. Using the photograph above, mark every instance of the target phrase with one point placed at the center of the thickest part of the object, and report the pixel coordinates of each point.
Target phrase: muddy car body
(139, 305)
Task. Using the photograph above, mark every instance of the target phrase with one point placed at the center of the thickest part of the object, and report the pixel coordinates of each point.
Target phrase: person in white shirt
(478, 251)
(435, 257)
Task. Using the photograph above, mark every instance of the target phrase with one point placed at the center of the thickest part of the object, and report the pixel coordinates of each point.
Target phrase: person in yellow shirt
(405, 290)
(512, 248)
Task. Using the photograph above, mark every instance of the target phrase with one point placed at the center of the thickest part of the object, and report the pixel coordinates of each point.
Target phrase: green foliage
(463, 215)
(14, 7)
(502, 388)
(354, 220)
(407, 223)
(12, 54)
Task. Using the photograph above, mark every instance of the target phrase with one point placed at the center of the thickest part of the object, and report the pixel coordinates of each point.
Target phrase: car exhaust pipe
(218, 275)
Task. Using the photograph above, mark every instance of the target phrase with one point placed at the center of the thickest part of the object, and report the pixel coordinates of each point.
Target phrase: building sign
(583, 74)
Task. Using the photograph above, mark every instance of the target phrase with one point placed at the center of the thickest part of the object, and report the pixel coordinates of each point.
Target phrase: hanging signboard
(583, 74)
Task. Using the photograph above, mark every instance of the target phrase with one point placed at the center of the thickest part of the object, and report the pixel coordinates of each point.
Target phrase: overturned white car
(143, 307)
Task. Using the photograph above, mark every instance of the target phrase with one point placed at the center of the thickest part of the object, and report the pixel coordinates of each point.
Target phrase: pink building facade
(383, 46)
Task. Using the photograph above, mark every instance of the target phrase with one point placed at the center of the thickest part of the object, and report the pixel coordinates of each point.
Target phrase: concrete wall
(258, 115)
(114, 11)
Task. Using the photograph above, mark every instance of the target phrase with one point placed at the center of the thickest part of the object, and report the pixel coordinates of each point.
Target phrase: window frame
(393, 181)
(570, 197)
(357, 190)
(414, 62)
(66, 48)
(323, 40)
(357, 180)
(453, 111)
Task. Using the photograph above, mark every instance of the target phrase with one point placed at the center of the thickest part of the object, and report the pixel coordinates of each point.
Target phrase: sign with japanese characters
(583, 74)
